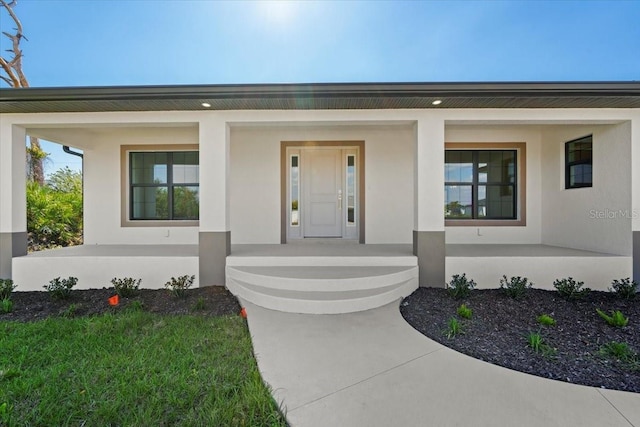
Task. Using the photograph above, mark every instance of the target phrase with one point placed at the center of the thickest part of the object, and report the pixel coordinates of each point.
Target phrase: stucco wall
(102, 196)
(596, 218)
(255, 179)
(530, 233)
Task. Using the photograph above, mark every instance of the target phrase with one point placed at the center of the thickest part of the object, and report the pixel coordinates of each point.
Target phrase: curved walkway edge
(373, 369)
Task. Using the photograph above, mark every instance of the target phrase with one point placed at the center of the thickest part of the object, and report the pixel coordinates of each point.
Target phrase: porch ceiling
(322, 96)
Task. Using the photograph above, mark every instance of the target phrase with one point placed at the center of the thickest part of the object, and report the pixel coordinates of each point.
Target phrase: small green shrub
(6, 305)
(180, 285)
(538, 344)
(618, 350)
(70, 312)
(616, 319)
(624, 288)
(516, 287)
(460, 286)
(126, 287)
(199, 305)
(61, 288)
(6, 287)
(454, 327)
(546, 320)
(570, 289)
(465, 312)
(136, 306)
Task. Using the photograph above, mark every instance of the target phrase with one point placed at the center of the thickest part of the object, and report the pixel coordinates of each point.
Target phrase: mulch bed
(498, 330)
(31, 306)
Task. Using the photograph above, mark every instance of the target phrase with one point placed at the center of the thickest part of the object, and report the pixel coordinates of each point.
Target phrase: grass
(454, 327)
(133, 368)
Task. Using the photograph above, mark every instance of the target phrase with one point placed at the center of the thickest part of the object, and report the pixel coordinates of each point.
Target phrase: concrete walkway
(372, 369)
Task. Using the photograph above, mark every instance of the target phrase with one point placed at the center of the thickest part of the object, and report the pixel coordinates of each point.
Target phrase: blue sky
(147, 42)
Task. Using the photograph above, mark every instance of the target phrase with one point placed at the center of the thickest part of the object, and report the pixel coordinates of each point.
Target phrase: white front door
(322, 192)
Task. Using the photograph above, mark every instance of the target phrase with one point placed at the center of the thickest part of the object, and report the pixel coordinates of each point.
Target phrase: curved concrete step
(322, 290)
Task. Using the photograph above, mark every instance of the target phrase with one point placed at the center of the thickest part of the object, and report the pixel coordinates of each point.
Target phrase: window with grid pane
(164, 185)
(579, 162)
(480, 184)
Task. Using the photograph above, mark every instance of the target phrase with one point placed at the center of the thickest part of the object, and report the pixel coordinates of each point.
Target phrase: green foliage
(546, 320)
(61, 288)
(625, 288)
(180, 285)
(126, 287)
(516, 287)
(6, 305)
(538, 344)
(460, 286)
(618, 350)
(454, 327)
(199, 305)
(570, 289)
(97, 371)
(616, 318)
(5, 414)
(54, 211)
(70, 312)
(6, 287)
(465, 312)
(136, 306)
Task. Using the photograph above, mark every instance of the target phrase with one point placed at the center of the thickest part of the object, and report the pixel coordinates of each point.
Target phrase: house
(335, 197)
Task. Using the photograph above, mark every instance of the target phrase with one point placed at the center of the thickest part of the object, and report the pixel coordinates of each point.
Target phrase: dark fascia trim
(326, 90)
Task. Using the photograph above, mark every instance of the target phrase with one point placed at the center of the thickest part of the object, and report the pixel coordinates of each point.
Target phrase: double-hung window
(578, 156)
(481, 184)
(164, 185)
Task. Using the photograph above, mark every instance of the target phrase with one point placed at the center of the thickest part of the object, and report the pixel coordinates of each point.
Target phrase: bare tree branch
(16, 62)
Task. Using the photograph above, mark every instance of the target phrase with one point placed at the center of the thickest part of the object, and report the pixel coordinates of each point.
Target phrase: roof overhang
(322, 96)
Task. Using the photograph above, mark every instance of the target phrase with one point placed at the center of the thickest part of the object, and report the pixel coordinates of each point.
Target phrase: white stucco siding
(255, 179)
(103, 187)
(596, 218)
(531, 136)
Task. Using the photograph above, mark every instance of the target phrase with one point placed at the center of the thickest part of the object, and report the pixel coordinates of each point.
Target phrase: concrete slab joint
(214, 248)
(429, 247)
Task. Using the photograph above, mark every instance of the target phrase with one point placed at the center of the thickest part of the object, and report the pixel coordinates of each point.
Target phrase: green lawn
(132, 368)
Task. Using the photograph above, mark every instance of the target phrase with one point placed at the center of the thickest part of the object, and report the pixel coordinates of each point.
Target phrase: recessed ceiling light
(206, 105)
(437, 102)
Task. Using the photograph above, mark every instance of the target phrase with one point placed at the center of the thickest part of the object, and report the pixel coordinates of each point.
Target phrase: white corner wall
(102, 183)
(529, 234)
(596, 218)
(255, 179)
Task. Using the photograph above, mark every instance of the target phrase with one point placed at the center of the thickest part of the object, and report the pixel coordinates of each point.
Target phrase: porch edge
(11, 245)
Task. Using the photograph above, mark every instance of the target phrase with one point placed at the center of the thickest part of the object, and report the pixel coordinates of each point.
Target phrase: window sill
(485, 223)
(153, 223)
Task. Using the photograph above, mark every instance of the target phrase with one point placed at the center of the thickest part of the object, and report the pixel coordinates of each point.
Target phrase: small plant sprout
(136, 306)
(546, 320)
(616, 318)
(570, 289)
(460, 286)
(618, 350)
(199, 305)
(454, 327)
(6, 305)
(180, 285)
(61, 288)
(6, 287)
(516, 287)
(624, 288)
(126, 287)
(70, 312)
(538, 344)
(464, 312)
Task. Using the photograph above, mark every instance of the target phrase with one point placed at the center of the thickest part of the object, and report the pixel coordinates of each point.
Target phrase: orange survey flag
(114, 300)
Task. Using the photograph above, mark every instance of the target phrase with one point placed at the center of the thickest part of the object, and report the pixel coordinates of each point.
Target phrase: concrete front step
(322, 289)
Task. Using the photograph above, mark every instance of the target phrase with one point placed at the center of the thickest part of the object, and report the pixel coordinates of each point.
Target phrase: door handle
(340, 200)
